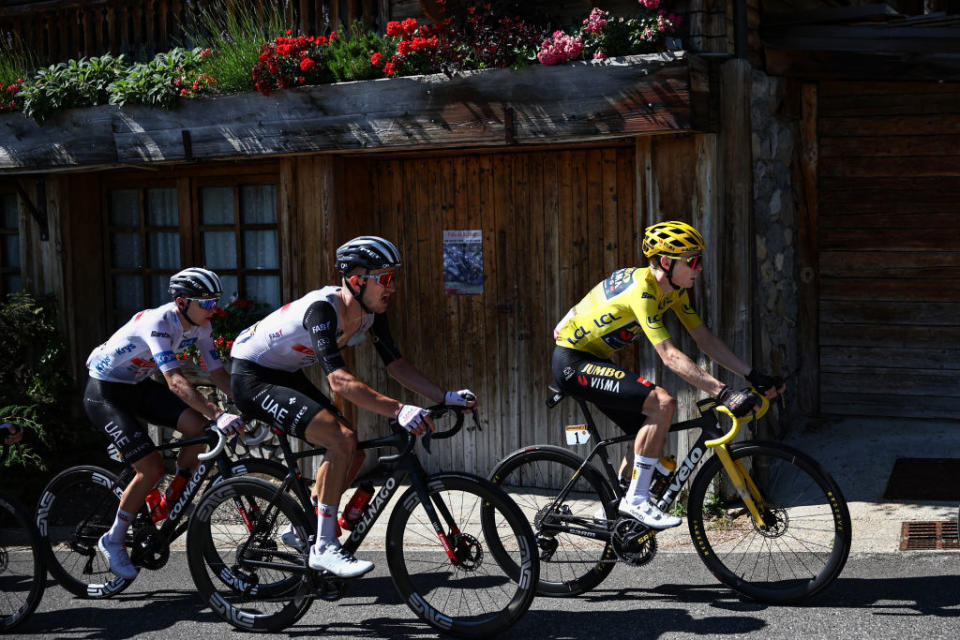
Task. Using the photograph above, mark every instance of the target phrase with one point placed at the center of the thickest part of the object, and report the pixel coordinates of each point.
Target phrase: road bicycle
(460, 553)
(766, 519)
(23, 572)
(79, 505)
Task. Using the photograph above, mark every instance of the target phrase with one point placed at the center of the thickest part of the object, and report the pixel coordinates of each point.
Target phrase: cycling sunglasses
(383, 279)
(204, 303)
(692, 261)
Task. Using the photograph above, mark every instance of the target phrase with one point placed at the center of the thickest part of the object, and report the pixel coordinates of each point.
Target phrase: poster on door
(463, 262)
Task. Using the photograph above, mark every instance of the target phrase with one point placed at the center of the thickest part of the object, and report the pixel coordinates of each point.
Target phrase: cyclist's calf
(659, 408)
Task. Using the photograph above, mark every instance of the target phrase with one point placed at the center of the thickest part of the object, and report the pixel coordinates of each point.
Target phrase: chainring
(634, 543)
(147, 551)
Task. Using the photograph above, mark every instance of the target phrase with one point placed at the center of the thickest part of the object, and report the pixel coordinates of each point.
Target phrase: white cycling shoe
(649, 514)
(334, 559)
(116, 554)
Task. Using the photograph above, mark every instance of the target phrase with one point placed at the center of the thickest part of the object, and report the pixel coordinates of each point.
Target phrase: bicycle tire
(423, 573)
(532, 477)
(23, 571)
(77, 507)
(215, 535)
(805, 546)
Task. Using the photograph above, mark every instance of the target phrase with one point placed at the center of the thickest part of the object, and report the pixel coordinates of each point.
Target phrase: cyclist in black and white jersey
(268, 382)
(120, 393)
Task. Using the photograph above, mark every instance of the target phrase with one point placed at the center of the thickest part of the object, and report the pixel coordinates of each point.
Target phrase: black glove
(762, 381)
(739, 402)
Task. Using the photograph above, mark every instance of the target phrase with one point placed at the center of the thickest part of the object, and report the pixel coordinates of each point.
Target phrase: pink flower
(595, 22)
(650, 4)
(599, 55)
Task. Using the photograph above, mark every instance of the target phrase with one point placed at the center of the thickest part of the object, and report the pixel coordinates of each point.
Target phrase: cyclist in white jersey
(120, 393)
(268, 382)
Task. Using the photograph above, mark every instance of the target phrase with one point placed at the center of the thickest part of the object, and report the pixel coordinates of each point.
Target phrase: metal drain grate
(929, 536)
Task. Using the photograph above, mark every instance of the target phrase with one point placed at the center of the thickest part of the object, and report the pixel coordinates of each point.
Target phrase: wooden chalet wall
(554, 223)
(889, 178)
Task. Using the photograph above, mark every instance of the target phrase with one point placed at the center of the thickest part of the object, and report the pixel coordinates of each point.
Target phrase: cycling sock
(642, 475)
(120, 526)
(326, 525)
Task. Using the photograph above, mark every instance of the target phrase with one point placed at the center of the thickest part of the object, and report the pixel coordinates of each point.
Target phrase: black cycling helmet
(370, 252)
(195, 282)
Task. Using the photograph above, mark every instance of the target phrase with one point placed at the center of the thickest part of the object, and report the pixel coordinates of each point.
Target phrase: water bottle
(173, 492)
(158, 510)
(661, 475)
(354, 508)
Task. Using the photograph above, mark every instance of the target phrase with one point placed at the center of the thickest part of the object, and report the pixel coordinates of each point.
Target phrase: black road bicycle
(460, 553)
(765, 518)
(79, 505)
(23, 572)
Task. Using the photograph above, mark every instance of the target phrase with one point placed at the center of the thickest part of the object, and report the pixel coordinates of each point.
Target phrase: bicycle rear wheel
(238, 524)
(477, 594)
(570, 563)
(76, 508)
(804, 542)
(23, 573)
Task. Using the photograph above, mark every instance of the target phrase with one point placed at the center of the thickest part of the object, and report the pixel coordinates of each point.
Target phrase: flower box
(580, 101)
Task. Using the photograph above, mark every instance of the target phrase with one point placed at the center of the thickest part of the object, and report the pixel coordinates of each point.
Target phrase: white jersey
(150, 340)
(306, 331)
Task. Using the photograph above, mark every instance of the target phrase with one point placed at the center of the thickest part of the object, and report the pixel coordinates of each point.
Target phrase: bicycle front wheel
(23, 573)
(76, 508)
(571, 562)
(490, 580)
(239, 561)
(805, 538)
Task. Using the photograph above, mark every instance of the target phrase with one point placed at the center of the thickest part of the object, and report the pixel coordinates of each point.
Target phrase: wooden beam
(890, 67)
(808, 282)
(587, 101)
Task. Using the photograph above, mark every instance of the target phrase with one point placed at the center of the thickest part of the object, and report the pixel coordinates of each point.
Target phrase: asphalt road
(914, 595)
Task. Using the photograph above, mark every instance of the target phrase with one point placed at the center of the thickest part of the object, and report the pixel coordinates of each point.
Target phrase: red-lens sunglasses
(383, 279)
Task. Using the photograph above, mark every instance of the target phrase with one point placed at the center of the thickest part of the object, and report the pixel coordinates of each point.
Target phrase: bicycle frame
(711, 437)
(408, 466)
(175, 524)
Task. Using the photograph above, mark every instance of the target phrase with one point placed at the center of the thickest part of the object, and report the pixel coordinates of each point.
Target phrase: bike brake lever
(476, 420)
(425, 441)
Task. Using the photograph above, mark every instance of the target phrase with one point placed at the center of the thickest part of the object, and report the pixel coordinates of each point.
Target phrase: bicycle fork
(432, 505)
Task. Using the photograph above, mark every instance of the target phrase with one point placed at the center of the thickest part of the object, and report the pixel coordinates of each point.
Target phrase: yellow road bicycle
(765, 518)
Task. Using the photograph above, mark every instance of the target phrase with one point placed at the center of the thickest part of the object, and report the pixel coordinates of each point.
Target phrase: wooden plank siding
(889, 248)
(554, 223)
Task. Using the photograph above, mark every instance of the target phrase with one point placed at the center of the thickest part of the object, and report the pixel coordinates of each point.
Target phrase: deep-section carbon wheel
(803, 543)
(23, 573)
(238, 556)
(571, 561)
(486, 579)
(76, 508)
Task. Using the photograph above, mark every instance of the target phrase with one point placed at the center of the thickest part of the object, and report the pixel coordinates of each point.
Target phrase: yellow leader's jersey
(615, 311)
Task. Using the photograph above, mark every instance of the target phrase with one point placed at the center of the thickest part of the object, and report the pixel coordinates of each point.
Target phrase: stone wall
(774, 139)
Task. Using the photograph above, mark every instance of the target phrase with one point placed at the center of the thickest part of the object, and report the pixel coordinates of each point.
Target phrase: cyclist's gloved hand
(411, 417)
(229, 423)
(14, 434)
(739, 402)
(462, 398)
(763, 382)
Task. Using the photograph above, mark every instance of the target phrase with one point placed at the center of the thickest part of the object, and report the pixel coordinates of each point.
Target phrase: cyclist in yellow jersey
(631, 303)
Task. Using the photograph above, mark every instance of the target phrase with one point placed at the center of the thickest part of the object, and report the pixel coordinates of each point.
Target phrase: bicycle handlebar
(218, 448)
(739, 422)
(436, 411)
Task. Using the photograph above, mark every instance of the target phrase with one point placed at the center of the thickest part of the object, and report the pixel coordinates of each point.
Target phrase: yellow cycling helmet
(671, 238)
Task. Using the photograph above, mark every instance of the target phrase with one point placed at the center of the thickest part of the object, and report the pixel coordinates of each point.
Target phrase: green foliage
(158, 83)
(33, 385)
(16, 65)
(23, 454)
(235, 36)
(348, 56)
(76, 83)
(679, 507)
